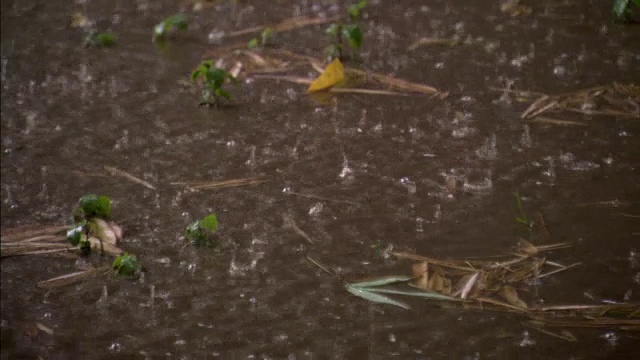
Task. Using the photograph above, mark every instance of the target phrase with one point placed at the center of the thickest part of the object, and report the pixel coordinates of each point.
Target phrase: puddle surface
(358, 173)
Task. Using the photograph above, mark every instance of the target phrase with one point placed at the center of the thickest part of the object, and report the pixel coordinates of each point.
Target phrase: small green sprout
(90, 207)
(75, 234)
(351, 33)
(213, 80)
(126, 264)
(522, 218)
(97, 39)
(265, 36)
(201, 232)
(170, 25)
(355, 9)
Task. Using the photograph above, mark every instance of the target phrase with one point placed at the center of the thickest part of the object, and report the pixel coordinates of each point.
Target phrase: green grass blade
(377, 298)
(381, 281)
(425, 294)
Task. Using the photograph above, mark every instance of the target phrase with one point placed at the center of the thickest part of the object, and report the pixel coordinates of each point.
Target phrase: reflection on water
(344, 179)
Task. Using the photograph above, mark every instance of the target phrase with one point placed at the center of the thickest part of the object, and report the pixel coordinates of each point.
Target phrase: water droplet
(215, 36)
(611, 337)
(409, 185)
(316, 209)
(559, 70)
(526, 340)
(115, 347)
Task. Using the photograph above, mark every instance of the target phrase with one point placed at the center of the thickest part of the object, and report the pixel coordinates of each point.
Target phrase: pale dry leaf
(447, 286)
(527, 247)
(511, 296)
(420, 269)
(105, 232)
(436, 283)
(421, 282)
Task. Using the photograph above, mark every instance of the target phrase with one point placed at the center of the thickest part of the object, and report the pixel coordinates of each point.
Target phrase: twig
(117, 172)
(289, 223)
(308, 196)
(314, 262)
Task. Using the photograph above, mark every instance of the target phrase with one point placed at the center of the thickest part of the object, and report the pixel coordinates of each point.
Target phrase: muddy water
(353, 174)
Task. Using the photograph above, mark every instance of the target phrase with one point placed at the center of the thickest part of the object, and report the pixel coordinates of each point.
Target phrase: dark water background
(382, 163)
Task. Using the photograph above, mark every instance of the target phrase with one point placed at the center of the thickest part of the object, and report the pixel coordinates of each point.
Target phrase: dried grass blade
(534, 106)
(44, 328)
(366, 91)
(289, 223)
(449, 264)
(25, 233)
(322, 267)
(552, 121)
(564, 335)
(500, 303)
(117, 172)
(425, 41)
(544, 108)
(292, 79)
(559, 270)
(309, 196)
(556, 246)
(469, 286)
(69, 279)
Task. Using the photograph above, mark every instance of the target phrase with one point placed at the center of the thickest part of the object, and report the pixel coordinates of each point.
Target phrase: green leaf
(423, 293)
(209, 222)
(223, 93)
(179, 22)
(95, 206)
(253, 43)
(354, 35)
(75, 235)
(195, 74)
(619, 7)
(373, 297)
(126, 264)
(201, 232)
(381, 281)
(265, 35)
(193, 230)
(355, 9)
(218, 76)
(99, 39)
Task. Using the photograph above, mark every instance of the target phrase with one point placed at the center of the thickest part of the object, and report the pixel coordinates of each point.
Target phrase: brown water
(375, 167)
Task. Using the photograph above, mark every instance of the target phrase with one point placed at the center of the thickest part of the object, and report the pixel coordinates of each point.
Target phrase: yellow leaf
(332, 74)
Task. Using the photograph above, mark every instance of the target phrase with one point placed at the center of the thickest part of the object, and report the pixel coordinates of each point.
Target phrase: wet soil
(357, 173)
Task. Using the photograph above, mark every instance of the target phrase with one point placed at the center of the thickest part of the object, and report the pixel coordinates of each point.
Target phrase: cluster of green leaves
(97, 39)
(170, 25)
(202, 232)
(126, 264)
(351, 33)
(213, 80)
(89, 207)
(622, 9)
(265, 36)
